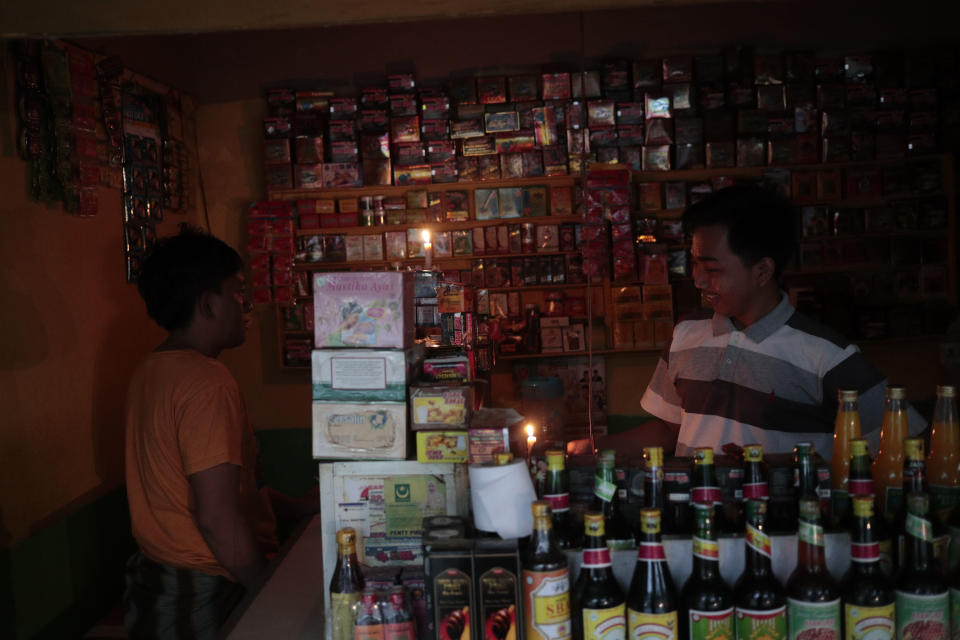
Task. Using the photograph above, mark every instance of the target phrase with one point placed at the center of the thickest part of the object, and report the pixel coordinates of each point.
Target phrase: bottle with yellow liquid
(346, 585)
(888, 465)
(846, 428)
(943, 462)
(546, 581)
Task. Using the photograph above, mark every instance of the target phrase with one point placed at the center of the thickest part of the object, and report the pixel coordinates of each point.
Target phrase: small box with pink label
(363, 309)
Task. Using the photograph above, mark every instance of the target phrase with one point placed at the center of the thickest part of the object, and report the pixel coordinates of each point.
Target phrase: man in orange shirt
(203, 526)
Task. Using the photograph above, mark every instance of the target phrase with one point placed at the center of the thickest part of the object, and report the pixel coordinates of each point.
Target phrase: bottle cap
(896, 393)
(555, 459)
(650, 520)
(756, 510)
(918, 503)
(703, 455)
(540, 509)
(346, 536)
(946, 391)
(847, 395)
(863, 506)
(858, 447)
(753, 453)
(654, 456)
(913, 448)
(803, 449)
(503, 458)
(593, 524)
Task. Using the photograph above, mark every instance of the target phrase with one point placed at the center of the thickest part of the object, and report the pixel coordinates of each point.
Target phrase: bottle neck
(754, 481)
(861, 478)
(810, 546)
(864, 549)
(706, 553)
(543, 538)
(758, 550)
(919, 542)
(596, 555)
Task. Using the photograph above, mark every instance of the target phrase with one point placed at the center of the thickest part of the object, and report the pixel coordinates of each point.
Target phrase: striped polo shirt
(774, 383)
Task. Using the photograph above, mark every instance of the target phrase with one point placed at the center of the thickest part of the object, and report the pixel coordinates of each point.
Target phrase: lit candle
(427, 250)
(531, 439)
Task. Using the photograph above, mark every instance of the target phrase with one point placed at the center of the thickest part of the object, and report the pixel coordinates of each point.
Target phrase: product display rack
(797, 274)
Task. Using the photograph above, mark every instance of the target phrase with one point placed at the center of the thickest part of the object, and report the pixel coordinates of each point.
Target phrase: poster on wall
(584, 385)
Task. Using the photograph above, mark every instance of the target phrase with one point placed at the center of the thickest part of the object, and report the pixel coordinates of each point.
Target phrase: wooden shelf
(535, 287)
(395, 190)
(320, 266)
(436, 226)
(573, 354)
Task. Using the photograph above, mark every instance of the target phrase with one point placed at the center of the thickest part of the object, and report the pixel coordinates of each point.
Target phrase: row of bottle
(866, 605)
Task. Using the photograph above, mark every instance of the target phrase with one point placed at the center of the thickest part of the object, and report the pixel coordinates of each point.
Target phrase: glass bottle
(943, 462)
(755, 484)
(813, 597)
(761, 603)
(546, 581)
(653, 495)
(804, 472)
(599, 609)
(557, 493)
(888, 465)
(345, 585)
(704, 488)
(869, 598)
(860, 484)
(368, 620)
(846, 428)
(706, 598)
(652, 599)
(923, 607)
(606, 499)
(398, 621)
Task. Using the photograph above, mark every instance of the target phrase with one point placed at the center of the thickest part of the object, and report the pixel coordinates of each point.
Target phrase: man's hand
(223, 525)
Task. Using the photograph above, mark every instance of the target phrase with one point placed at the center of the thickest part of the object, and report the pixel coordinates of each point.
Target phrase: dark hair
(759, 222)
(178, 269)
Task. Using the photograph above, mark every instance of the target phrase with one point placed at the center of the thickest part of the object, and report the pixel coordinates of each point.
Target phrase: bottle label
(651, 626)
(955, 614)
(923, 616)
(706, 549)
(919, 527)
(596, 558)
(559, 502)
(870, 623)
(865, 551)
(858, 487)
(400, 631)
(651, 552)
(605, 624)
(341, 614)
(706, 495)
(756, 491)
(758, 541)
(943, 499)
(761, 625)
(810, 533)
(546, 604)
(819, 620)
(711, 625)
(603, 489)
(368, 632)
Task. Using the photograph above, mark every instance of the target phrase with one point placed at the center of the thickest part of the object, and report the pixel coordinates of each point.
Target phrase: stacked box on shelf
(270, 245)
(643, 316)
(363, 328)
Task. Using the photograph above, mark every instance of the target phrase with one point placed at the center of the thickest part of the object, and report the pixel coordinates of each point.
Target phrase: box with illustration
(360, 430)
(364, 375)
(363, 309)
(440, 406)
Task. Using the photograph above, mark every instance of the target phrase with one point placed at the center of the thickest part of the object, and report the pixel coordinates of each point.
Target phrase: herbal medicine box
(363, 309)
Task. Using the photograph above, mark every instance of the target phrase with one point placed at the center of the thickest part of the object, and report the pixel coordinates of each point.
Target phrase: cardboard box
(442, 446)
(496, 573)
(359, 431)
(440, 406)
(448, 565)
(486, 443)
(363, 375)
(363, 309)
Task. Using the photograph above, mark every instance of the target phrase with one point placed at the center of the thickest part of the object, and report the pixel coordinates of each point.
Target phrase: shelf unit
(605, 287)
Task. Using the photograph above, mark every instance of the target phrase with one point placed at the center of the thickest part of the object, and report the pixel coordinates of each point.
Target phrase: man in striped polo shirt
(754, 370)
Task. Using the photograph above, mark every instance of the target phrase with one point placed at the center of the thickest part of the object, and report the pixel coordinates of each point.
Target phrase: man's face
(232, 311)
(726, 284)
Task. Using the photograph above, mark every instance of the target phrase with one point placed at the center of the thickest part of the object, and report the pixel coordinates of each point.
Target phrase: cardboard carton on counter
(359, 431)
(363, 309)
(364, 375)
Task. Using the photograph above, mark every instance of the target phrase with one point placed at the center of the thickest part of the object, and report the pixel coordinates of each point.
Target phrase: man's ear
(205, 304)
(763, 270)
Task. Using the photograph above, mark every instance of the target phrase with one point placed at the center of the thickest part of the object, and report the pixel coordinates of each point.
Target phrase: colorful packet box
(360, 431)
(442, 446)
(363, 375)
(440, 406)
(363, 309)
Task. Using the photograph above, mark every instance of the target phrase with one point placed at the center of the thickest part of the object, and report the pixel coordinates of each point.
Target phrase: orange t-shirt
(185, 414)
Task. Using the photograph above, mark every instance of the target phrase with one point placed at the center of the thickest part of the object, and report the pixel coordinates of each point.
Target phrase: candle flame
(529, 429)
(426, 235)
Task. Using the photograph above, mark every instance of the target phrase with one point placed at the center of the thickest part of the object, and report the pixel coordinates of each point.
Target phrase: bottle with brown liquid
(345, 585)
(860, 484)
(546, 581)
(704, 488)
(606, 499)
(761, 604)
(813, 597)
(923, 600)
(556, 491)
(706, 598)
(869, 599)
(368, 620)
(652, 601)
(598, 604)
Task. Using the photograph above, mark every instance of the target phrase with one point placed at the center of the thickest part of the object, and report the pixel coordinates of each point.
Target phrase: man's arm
(222, 523)
(652, 433)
